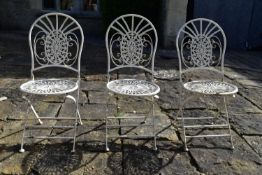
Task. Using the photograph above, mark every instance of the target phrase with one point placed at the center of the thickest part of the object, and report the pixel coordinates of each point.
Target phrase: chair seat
(133, 87)
(211, 87)
(49, 86)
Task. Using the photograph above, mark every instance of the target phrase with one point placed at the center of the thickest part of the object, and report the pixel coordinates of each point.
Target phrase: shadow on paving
(138, 160)
(51, 159)
(58, 159)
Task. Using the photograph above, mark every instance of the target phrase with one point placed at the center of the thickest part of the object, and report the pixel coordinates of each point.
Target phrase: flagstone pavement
(128, 156)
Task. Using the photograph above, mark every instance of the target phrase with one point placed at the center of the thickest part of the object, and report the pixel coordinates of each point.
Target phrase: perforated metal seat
(133, 87)
(49, 86)
(211, 87)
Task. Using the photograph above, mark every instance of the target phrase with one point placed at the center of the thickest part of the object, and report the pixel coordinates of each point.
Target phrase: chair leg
(107, 148)
(33, 109)
(77, 107)
(181, 111)
(75, 129)
(22, 141)
(79, 117)
(106, 121)
(154, 117)
(227, 116)
(183, 126)
(24, 130)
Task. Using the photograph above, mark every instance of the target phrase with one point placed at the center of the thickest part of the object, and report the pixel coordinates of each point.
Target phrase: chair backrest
(56, 40)
(201, 44)
(131, 41)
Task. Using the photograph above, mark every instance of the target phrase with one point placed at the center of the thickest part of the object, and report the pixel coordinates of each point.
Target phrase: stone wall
(174, 16)
(16, 15)
(20, 14)
(240, 20)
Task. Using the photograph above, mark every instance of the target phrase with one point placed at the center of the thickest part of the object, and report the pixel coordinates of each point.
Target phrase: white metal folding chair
(56, 41)
(201, 45)
(131, 42)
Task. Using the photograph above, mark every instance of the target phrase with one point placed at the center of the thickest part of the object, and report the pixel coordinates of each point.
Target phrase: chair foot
(80, 123)
(22, 150)
(155, 148)
(40, 122)
(232, 147)
(73, 150)
(186, 149)
(107, 149)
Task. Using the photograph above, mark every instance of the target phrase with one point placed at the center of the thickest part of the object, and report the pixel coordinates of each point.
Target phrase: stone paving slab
(11, 132)
(255, 142)
(218, 159)
(43, 160)
(13, 94)
(93, 86)
(11, 160)
(239, 105)
(133, 104)
(169, 98)
(108, 163)
(247, 124)
(132, 74)
(98, 97)
(11, 83)
(88, 111)
(163, 127)
(129, 156)
(251, 83)
(252, 94)
(239, 59)
(18, 110)
(242, 74)
(92, 132)
(140, 158)
(175, 161)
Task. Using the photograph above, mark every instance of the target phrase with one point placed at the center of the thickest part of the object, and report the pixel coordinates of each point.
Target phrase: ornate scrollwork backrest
(201, 43)
(56, 39)
(131, 41)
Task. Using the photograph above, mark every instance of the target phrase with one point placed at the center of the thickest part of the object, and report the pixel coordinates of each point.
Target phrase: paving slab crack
(252, 135)
(243, 138)
(87, 96)
(250, 101)
(240, 93)
(192, 161)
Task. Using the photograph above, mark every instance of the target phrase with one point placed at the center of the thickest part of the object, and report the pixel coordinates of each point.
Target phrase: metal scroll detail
(55, 46)
(129, 46)
(129, 49)
(201, 47)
